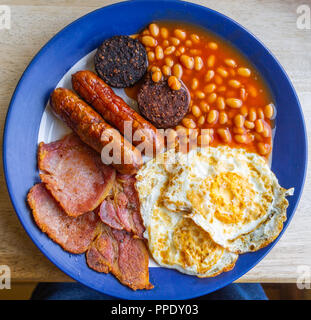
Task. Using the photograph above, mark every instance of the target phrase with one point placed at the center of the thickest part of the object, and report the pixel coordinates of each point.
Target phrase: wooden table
(34, 22)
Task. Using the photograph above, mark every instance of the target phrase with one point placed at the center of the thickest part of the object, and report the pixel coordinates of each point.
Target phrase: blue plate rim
(50, 43)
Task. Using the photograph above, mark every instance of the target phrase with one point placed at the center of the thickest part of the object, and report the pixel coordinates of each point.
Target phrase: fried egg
(231, 194)
(174, 240)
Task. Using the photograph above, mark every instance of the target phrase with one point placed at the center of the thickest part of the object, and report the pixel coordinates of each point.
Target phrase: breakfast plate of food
(154, 153)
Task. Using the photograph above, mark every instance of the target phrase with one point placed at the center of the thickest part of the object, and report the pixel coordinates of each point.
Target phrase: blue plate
(73, 43)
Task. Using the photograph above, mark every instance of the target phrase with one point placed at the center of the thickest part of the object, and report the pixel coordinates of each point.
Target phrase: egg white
(247, 189)
(176, 241)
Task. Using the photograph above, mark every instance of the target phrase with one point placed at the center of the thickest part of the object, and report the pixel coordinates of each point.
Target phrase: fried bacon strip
(75, 235)
(121, 210)
(127, 258)
(74, 174)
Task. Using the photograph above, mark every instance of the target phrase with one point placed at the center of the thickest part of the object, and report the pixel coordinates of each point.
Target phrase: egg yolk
(230, 196)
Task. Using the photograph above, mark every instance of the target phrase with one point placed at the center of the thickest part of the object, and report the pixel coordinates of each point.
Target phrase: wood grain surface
(34, 22)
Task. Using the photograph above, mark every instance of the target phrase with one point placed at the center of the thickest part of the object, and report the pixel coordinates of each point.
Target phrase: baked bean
(212, 97)
(188, 43)
(243, 94)
(154, 29)
(212, 116)
(212, 45)
(249, 124)
(187, 61)
(266, 132)
(159, 53)
(223, 118)
(222, 72)
(177, 70)
(244, 111)
(194, 83)
(201, 120)
(204, 106)
(234, 103)
(263, 148)
(259, 126)
(182, 49)
(211, 61)
(188, 123)
(169, 50)
(224, 134)
(230, 63)
(175, 41)
(244, 72)
(218, 79)
(181, 129)
(169, 62)
(196, 111)
(200, 94)
(252, 115)
(134, 36)
(216, 86)
(221, 103)
(157, 76)
(166, 70)
(174, 83)
(195, 38)
(238, 130)
(151, 56)
(180, 34)
(240, 138)
(260, 113)
(269, 111)
(210, 88)
(209, 75)
(149, 41)
(164, 33)
(198, 63)
(155, 68)
(204, 140)
(234, 83)
(239, 120)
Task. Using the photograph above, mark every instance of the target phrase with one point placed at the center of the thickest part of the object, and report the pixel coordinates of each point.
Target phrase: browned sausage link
(113, 109)
(91, 128)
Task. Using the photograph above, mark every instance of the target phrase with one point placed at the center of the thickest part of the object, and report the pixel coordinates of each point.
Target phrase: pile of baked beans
(228, 97)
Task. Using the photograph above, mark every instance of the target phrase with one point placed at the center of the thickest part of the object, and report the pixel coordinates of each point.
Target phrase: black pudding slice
(121, 61)
(161, 105)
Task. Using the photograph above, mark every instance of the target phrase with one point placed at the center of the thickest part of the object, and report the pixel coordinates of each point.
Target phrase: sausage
(113, 109)
(94, 131)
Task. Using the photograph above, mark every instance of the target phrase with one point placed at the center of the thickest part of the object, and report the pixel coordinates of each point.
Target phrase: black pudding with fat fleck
(161, 105)
(121, 61)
